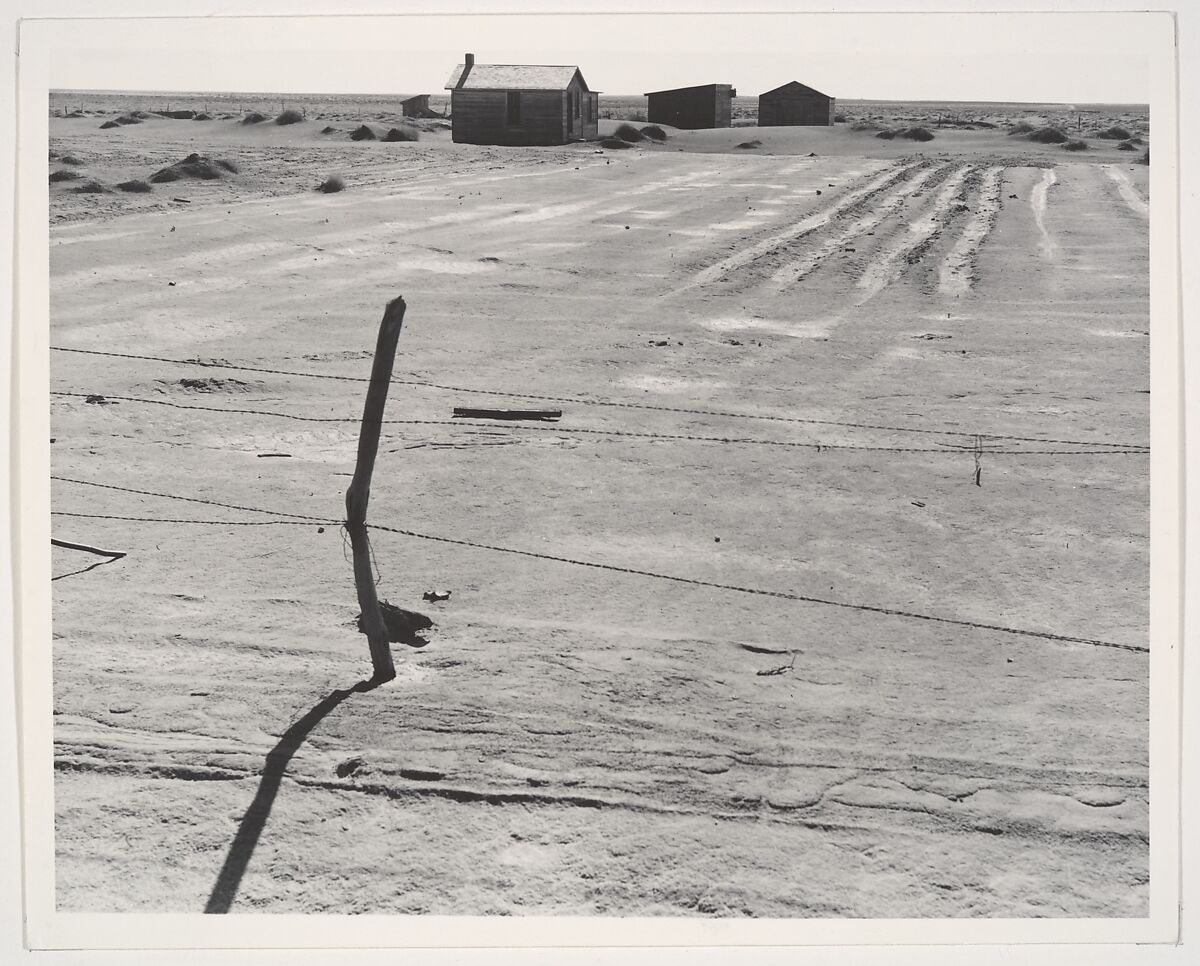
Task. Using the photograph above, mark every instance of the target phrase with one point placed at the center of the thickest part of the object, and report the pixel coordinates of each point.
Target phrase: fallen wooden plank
(114, 554)
(545, 415)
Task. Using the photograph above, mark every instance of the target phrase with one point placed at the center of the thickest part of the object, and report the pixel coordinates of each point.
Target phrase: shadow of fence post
(254, 820)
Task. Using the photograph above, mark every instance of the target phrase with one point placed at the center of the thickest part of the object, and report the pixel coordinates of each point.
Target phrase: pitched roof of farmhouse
(794, 87)
(514, 77)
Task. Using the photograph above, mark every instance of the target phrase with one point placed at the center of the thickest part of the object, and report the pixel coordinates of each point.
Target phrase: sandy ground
(773, 371)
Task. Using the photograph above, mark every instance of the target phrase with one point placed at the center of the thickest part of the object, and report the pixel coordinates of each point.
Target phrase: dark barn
(521, 104)
(705, 106)
(416, 106)
(795, 104)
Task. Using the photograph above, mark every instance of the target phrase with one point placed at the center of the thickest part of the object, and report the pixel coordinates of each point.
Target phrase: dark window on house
(587, 109)
(513, 117)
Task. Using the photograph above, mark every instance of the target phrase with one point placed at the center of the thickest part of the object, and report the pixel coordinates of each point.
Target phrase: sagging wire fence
(288, 518)
(977, 448)
(357, 528)
(619, 404)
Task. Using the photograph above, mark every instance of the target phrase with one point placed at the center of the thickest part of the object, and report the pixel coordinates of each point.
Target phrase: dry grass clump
(404, 133)
(1023, 127)
(254, 118)
(332, 184)
(289, 116)
(909, 133)
(128, 119)
(194, 166)
(135, 187)
(91, 188)
(107, 124)
(864, 126)
(181, 115)
(839, 119)
(202, 117)
(1113, 133)
(616, 143)
(1126, 146)
(627, 132)
(64, 175)
(749, 145)
(987, 124)
(654, 132)
(328, 129)
(1076, 145)
(362, 133)
(1049, 135)
(69, 159)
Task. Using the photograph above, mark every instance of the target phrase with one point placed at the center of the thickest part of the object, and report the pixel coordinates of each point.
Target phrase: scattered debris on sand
(212, 384)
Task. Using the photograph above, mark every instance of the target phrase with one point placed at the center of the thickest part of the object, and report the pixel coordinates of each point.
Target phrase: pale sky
(1000, 57)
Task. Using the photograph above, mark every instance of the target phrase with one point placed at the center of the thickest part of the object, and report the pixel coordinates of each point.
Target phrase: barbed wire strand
(619, 433)
(584, 401)
(615, 568)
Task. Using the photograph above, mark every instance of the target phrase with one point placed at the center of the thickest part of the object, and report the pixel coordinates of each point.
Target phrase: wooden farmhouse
(795, 104)
(416, 106)
(521, 104)
(709, 105)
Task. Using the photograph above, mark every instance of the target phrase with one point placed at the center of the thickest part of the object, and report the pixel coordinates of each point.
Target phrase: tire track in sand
(819, 219)
(1037, 201)
(958, 267)
(797, 269)
(912, 244)
(1129, 194)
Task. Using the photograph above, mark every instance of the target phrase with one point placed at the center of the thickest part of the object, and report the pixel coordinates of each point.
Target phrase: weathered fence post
(360, 490)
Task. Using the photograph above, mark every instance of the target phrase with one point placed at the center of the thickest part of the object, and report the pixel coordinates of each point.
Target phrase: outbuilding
(795, 104)
(416, 106)
(705, 106)
(521, 104)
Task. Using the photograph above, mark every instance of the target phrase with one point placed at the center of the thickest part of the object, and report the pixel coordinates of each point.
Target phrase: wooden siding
(415, 105)
(691, 108)
(481, 117)
(790, 110)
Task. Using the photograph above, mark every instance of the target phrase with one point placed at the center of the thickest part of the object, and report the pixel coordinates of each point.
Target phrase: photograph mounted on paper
(561, 479)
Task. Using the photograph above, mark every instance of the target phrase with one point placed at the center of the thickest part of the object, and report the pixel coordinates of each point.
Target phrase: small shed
(705, 106)
(521, 104)
(416, 106)
(795, 104)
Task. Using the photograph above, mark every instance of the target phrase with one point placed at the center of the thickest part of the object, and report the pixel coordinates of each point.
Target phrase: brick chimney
(468, 63)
